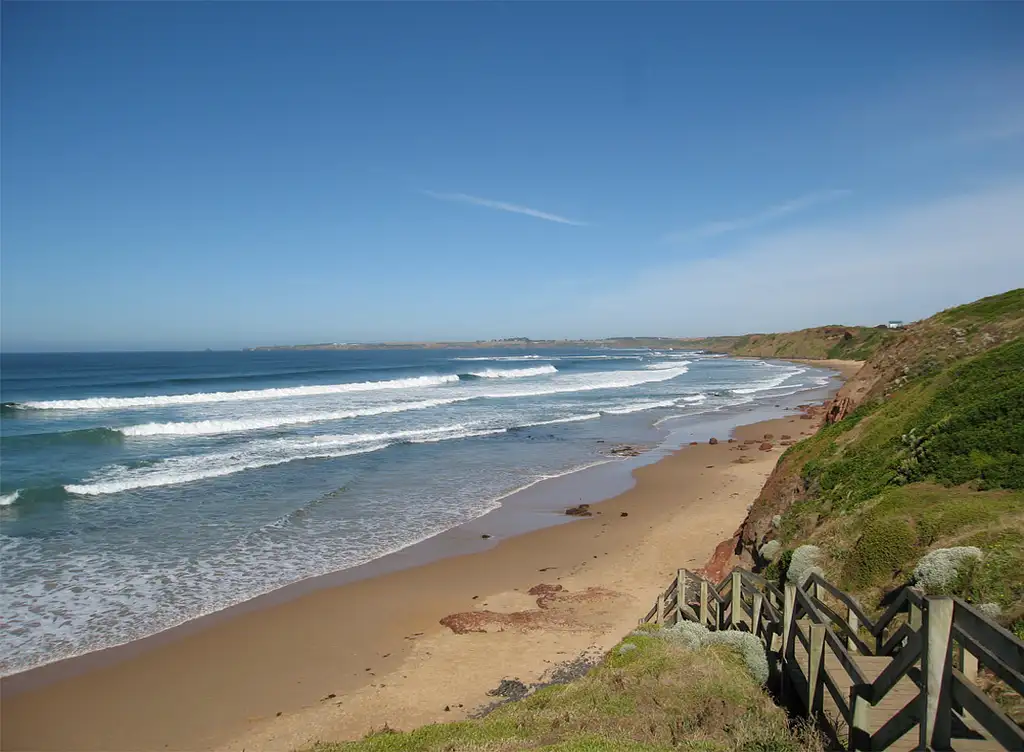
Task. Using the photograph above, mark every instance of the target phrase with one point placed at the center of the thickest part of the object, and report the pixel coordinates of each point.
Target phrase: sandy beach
(337, 662)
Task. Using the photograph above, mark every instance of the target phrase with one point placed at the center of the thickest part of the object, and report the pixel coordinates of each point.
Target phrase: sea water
(140, 490)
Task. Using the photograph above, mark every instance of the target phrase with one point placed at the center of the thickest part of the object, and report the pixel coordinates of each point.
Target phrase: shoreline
(272, 662)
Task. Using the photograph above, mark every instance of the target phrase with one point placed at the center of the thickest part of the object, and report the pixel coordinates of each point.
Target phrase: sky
(192, 175)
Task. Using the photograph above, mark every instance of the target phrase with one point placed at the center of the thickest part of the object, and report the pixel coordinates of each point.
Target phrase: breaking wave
(571, 384)
(512, 373)
(7, 499)
(166, 400)
(211, 427)
(258, 454)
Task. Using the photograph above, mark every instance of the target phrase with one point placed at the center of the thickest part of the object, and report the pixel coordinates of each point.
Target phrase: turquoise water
(139, 490)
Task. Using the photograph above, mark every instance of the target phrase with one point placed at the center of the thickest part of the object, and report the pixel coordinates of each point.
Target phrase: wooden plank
(986, 713)
(898, 725)
(997, 641)
(937, 666)
(989, 659)
(680, 593)
(704, 602)
(815, 667)
(839, 595)
(736, 617)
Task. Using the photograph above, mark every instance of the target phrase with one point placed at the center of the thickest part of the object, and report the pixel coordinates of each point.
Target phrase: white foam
(7, 499)
(570, 419)
(567, 385)
(769, 384)
(640, 407)
(513, 373)
(258, 454)
(212, 427)
(506, 357)
(117, 403)
(695, 398)
(666, 366)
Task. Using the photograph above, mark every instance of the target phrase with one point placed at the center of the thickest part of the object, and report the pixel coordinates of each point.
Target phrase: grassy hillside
(931, 459)
(649, 694)
(839, 342)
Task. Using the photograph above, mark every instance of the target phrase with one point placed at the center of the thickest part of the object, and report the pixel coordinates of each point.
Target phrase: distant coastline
(667, 343)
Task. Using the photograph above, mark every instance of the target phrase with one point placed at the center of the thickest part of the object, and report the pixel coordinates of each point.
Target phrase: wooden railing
(924, 652)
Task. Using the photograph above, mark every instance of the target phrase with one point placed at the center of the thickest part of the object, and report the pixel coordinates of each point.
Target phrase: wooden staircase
(904, 681)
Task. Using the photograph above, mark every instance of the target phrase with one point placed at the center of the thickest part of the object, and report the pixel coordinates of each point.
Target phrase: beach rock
(786, 436)
(485, 535)
(838, 409)
(732, 441)
(544, 589)
(623, 514)
(765, 446)
(581, 510)
(769, 436)
(786, 442)
(625, 451)
(693, 443)
(712, 440)
(750, 441)
(742, 448)
(743, 460)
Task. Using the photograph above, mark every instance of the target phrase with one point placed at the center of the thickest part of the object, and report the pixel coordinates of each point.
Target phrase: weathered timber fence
(870, 683)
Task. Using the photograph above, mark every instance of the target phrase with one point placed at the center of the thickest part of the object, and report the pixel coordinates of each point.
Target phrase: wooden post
(704, 603)
(755, 619)
(937, 667)
(737, 599)
(854, 622)
(680, 594)
(788, 604)
(860, 729)
(969, 664)
(815, 666)
(659, 613)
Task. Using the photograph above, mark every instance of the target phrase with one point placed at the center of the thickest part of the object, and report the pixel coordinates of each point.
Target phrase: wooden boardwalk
(904, 681)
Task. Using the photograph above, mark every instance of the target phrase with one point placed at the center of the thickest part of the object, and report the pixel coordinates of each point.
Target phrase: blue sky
(180, 175)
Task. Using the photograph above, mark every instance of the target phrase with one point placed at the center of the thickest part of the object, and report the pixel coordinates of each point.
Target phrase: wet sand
(335, 662)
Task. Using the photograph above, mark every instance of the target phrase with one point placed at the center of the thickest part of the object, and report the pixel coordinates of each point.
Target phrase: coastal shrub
(770, 550)
(776, 570)
(883, 548)
(804, 559)
(991, 610)
(694, 636)
(776, 521)
(939, 569)
(660, 695)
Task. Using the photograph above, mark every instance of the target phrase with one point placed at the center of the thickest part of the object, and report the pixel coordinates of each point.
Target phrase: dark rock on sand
(581, 510)
(712, 440)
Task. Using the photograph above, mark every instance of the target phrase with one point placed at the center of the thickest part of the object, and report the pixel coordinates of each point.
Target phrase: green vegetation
(838, 342)
(658, 695)
(932, 459)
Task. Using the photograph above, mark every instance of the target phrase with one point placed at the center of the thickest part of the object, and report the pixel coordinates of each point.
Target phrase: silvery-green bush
(770, 550)
(938, 569)
(991, 610)
(804, 560)
(626, 647)
(694, 636)
(777, 521)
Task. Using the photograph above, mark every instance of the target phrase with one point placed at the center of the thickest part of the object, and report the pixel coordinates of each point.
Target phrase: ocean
(140, 490)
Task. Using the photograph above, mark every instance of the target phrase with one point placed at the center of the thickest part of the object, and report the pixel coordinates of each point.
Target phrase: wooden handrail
(839, 595)
(919, 648)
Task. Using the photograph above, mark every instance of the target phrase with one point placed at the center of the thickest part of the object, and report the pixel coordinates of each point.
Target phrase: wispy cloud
(720, 227)
(465, 198)
(901, 263)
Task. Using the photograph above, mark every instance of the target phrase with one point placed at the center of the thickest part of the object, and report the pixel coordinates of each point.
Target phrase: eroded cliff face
(785, 486)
